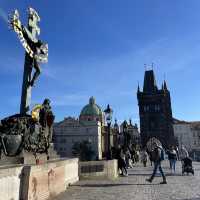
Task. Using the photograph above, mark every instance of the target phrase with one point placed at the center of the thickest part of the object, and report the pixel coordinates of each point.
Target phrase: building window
(157, 107)
(146, 108)
(63, 140)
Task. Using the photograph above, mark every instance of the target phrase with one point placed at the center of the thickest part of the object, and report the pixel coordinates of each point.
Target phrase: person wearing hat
(157, 157)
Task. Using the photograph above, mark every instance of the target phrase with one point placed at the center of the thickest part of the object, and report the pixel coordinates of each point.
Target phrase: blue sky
(99, 48)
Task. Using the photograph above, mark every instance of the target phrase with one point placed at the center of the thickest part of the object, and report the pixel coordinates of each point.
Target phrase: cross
(32, 31)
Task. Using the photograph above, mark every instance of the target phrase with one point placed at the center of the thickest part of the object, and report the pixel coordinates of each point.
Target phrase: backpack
(158, 154)
(162, 154)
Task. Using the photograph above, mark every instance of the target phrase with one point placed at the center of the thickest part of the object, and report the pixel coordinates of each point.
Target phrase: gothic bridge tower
(155, 111)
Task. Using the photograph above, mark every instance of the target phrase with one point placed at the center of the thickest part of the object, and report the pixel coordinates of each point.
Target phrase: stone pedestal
(29, 159)
(5, 160)
(26, 158)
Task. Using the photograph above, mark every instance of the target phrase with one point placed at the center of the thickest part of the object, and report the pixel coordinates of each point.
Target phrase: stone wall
(98, 169)
(39, 182)
(10, 182)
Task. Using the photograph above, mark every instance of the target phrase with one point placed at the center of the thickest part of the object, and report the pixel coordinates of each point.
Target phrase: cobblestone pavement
(134, 186)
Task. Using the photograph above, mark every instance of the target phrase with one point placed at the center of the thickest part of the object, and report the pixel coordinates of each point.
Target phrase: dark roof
(177, 121)
(193, 123)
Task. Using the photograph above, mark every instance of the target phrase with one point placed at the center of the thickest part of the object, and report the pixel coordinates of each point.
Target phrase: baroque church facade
(155, 111)
(90, 126)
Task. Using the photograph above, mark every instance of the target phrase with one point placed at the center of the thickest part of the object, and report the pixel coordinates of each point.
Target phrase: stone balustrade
(30, 182)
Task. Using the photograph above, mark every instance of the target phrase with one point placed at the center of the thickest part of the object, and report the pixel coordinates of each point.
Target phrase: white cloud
(69, 100)
(3, 15)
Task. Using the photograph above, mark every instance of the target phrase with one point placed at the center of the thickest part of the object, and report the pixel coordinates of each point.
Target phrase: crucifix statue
(36, 52)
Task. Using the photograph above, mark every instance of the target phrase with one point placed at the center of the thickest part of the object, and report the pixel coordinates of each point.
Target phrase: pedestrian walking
(183, 153)
(137, 156)
(120, 156)
(127, 157)
(157, 157)
(172, 156)
(144, 157)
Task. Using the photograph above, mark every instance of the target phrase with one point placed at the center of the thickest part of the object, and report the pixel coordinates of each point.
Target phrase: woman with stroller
(183, 153)
(186, 161)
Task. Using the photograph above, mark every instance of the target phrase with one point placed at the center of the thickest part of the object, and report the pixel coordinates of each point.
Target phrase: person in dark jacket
(172, 156)
(120, 156)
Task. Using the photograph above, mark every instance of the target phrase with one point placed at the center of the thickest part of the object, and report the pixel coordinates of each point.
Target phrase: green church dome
(91, 109)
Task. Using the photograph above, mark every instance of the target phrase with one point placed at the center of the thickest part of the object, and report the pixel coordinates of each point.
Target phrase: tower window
(146, 108)
(157, 107)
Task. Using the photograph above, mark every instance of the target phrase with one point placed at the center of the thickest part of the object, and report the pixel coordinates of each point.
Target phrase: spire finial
(152, 65)
(145, 67)
(138, 89)
(162, 87)
(165, 85)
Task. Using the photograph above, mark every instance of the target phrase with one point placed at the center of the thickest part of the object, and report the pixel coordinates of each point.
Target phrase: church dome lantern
(91, 112)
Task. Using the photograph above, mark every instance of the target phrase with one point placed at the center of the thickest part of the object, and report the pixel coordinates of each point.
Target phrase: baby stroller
(187, 166)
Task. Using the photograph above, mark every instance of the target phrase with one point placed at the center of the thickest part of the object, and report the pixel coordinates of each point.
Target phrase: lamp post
(108, 114)
(125, 133)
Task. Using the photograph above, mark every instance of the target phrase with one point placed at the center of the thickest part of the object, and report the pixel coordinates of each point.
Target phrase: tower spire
(152, 65)
(138, 88)
(145, 67)
(165, 85)
(150, 85)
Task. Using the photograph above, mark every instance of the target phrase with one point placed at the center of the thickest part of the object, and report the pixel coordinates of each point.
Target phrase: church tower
(155, 111)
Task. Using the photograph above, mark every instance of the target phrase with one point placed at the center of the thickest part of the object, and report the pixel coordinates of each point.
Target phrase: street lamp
(108, 114)
(125, 133)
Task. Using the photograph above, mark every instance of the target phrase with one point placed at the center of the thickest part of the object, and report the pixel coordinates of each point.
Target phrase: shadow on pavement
(157, 175)
(196, 198)
(114, 185)
(169, 174)
(139, 174)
